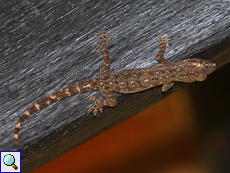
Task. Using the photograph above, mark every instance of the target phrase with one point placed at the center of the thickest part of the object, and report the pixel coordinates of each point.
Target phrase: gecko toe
(101, 109)
(98, 36)
(95, 111)
(103, 39)
(92, 98)
(163, 42)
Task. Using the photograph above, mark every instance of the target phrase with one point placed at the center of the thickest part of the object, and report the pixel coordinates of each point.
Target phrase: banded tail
(63, 93)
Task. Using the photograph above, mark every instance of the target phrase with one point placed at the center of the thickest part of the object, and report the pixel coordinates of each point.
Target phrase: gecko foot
(163, 42)
(97, 106)
(103, 39)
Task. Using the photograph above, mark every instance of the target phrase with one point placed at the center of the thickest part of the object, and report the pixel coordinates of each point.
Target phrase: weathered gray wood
(48, 45)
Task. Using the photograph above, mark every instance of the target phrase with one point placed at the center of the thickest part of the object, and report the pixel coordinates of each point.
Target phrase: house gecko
(127, 81)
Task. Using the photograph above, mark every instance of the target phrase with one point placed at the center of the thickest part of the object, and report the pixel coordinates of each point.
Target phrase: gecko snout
(209, 66)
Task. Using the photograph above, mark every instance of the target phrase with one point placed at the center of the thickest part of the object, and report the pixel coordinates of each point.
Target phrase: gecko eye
(199, 66)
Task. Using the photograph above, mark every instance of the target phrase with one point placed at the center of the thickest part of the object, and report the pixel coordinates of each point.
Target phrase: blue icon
(9, 160)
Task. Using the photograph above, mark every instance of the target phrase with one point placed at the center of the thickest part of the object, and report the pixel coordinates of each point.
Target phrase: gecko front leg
(163, 43)
(110, 99)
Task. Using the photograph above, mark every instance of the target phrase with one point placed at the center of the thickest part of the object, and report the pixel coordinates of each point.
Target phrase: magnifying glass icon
(9, 160)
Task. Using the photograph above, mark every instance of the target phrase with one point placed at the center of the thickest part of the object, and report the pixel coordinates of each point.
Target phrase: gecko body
(127, 81)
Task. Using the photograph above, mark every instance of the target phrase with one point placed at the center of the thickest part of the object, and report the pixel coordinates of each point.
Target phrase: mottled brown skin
(127, 81)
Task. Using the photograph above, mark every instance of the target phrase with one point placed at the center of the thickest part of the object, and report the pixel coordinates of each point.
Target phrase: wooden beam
(48, 45)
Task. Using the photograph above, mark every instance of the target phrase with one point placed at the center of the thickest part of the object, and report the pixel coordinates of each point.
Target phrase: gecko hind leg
(110, 101)
(105, 67)
(103, 39)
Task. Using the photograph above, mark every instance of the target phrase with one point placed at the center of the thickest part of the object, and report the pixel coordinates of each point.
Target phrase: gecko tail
(66, 92)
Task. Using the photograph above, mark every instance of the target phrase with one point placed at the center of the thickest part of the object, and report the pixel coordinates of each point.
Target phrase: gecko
(127, 81)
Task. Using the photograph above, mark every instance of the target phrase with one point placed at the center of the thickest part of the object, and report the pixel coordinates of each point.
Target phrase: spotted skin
(127, 81)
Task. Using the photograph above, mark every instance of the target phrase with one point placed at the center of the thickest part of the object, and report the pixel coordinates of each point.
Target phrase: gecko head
(202, 68)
